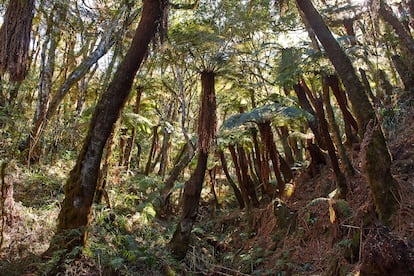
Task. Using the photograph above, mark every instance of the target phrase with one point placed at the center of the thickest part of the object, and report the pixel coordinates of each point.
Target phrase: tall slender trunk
(351, 125)
(377, 157)
(207, 122)
(185, 158)
(334, 129)
(257, 157)
(247, 181)
(104, 171)
(313, 124)
(341, 182)
(243, 189)
(266, 135)
(166, 143)
(151, 154)
(283, 133)
(131, 139)
(81, 185)
(236, 190)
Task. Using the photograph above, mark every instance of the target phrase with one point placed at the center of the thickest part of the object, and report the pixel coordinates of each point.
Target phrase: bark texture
(80, 187)
(15, 39)
(207, 132)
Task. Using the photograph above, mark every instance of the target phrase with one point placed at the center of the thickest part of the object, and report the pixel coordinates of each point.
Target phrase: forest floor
(307, 233)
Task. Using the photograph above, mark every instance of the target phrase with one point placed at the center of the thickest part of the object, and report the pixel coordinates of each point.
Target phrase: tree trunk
(283, 133)
(15, 39)
(266, 135)
(207, 124)
(405, 73)
(244, 193)
(151, 154)
(122, 144)
(184, 159)
(382, 184)
(341, 182)
(247, 181)
(349, 120)
(313, 124)
(367, 86)
(342, 101)
(349, 29)
(285, 169)
(103, 172)
(131, 139)
(80, 187)
(388, 16)
(164, 151)
(236, 190)
(257, 156)
(336, 134)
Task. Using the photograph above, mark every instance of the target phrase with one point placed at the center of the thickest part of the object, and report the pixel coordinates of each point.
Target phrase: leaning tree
(80, 187)
(377, 159)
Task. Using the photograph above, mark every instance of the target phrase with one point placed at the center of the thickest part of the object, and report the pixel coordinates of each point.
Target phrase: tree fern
(272, 112)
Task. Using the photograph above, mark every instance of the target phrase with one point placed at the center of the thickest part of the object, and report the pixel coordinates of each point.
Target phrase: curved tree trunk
(383, 185)
(206, 137)
(80, 187)
(184, 159)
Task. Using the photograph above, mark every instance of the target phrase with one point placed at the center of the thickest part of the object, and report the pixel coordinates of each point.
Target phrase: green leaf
(117, 263)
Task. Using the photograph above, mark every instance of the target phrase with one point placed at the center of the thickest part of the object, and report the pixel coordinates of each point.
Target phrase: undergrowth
(128, 238)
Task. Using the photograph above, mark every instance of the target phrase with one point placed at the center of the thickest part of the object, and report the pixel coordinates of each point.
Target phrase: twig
(350, 226)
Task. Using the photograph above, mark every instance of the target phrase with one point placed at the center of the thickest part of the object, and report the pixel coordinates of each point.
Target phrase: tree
(15, 38)
(382, 184)
(262, 117)
(206, 138)
(388, 16)
(46, 106)
(81, 185)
